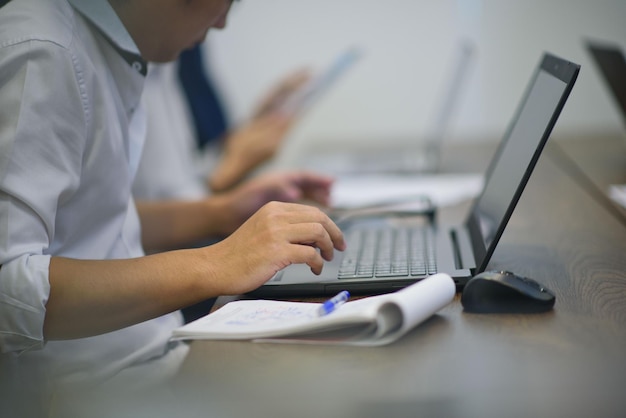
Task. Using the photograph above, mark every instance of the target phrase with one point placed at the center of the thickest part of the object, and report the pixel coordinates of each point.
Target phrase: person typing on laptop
(193, 152)
(77, 294)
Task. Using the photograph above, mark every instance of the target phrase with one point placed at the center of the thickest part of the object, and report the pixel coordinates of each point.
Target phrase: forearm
(247, 148)
(172, 224)
(228, 173)
(90, 297)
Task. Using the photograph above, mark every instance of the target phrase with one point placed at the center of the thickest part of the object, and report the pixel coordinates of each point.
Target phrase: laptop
(611, 62)
(422, 157)
(461, 250)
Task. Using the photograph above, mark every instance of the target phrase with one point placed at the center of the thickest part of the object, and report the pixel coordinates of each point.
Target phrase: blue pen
(333, 303)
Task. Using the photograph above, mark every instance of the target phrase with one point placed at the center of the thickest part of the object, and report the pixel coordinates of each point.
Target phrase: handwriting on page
(268, 315)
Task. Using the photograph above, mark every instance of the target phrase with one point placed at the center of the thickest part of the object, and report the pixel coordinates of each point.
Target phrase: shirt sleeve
(43, 121)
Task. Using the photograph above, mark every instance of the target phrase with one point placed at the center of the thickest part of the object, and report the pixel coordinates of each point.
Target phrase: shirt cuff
(24, 291)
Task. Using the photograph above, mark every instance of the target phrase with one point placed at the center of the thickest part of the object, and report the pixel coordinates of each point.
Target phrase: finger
(305, 214)
(287, 192)
(309, 178)
(295, 80)
(317, 188)
(315, 235)
(290, 187)
(279, 121)
(320, 196)
(304, 254)
(319, 193)
(335, 234)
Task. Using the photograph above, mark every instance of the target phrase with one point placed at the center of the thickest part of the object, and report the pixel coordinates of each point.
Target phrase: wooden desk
(570, 362)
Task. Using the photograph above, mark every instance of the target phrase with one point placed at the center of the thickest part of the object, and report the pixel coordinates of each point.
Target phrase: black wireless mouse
(505, 292)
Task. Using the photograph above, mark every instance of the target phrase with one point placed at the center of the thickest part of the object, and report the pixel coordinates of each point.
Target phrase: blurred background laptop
(421, 157)
(611, 62)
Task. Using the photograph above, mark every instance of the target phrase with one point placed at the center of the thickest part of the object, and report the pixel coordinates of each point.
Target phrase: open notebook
(373, 321)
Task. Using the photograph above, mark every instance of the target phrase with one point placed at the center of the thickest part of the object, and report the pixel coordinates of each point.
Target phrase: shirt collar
(101, 14)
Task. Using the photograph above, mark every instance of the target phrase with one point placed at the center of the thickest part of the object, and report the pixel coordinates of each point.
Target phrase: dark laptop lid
(518, 153)
(611, 61)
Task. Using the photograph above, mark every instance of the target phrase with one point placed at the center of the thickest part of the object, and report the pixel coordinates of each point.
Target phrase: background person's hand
(299, 186)
(247, 148)
(258, 140)
(283, 91)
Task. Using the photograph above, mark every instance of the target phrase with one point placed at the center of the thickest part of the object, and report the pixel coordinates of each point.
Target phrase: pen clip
(333, 303)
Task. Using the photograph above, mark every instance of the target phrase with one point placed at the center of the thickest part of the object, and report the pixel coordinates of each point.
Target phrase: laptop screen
(518, 153)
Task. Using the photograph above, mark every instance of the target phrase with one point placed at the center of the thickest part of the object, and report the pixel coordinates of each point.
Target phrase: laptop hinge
(458, 260)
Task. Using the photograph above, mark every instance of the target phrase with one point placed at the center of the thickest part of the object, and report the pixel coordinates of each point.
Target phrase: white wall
(408, 47)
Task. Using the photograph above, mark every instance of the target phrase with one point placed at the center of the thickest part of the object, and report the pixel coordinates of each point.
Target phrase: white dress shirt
(171, 165)
(71, 132)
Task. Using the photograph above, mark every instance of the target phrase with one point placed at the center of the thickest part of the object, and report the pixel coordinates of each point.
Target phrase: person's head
(163, 28)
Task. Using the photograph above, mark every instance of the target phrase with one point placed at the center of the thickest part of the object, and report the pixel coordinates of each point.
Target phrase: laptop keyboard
(389, 252)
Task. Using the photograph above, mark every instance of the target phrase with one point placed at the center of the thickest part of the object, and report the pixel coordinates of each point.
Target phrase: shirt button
(137, 66)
